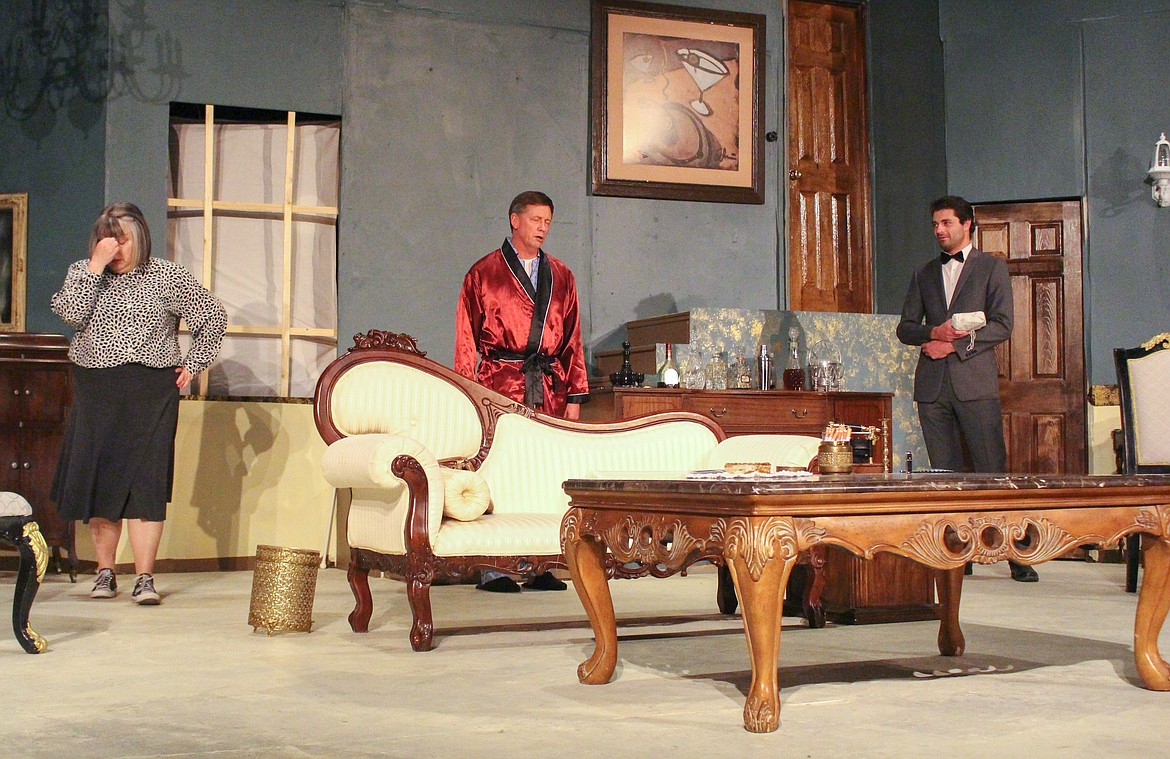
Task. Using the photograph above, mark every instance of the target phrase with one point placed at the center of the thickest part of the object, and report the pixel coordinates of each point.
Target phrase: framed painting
(13, 236)
(676, 102)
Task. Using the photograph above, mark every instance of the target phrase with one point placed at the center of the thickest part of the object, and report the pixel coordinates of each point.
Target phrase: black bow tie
(947, 257)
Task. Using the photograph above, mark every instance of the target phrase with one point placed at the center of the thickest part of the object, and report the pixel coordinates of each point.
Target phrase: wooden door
(829, 261)
(1041, 369)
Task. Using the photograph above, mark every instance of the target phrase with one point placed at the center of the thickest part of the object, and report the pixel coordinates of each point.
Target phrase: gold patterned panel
(1047, 359)
(1104, 395)
(1046, 240)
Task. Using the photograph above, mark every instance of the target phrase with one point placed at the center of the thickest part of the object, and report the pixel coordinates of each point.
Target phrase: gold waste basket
(283, 585)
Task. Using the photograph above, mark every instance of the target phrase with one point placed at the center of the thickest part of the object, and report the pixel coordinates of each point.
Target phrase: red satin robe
(495, 315)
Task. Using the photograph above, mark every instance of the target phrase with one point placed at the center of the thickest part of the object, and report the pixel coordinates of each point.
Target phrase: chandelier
(61, 50)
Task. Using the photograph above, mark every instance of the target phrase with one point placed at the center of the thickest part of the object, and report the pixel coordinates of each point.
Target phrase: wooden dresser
(754, 412)
(886, 589)
(35, 395)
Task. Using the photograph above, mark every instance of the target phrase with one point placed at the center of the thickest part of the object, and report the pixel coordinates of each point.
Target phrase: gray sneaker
(144, 592)
(106, 585)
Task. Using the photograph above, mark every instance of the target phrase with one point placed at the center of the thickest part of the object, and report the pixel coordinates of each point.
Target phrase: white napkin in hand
(972, 320)
(969, 322)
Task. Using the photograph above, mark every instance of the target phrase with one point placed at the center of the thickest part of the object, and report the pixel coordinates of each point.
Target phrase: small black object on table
(626, 377)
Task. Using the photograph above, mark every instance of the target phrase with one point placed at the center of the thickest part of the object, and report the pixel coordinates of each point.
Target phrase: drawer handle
(719, 413)
(800, 413)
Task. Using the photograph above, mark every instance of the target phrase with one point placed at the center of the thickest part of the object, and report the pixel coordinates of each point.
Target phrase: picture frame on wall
(676, 102)
(13, 242)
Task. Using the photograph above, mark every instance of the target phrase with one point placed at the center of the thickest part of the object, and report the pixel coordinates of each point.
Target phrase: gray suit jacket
(983, 286)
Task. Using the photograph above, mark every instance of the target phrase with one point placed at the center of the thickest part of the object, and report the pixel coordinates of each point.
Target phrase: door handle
(795, 174)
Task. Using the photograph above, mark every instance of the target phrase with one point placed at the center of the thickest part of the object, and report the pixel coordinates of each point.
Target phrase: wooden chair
(1143, 380)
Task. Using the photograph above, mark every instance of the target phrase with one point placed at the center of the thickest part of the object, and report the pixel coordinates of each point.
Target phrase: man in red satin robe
(517, 331)
(518, 315)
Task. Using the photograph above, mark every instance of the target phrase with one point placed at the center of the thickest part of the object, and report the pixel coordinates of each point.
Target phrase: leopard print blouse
(134, 317)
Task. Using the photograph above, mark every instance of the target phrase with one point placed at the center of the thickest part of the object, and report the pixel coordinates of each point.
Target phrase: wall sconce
(1159, 173)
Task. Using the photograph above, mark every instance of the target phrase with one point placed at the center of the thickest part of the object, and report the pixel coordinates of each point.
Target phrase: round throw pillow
(465, 494)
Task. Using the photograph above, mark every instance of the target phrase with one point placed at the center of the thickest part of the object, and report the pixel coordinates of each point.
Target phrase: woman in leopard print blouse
(117, 460)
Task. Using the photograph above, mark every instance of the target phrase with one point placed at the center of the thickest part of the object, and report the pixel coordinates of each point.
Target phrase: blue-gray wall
(451, 106)
(908, 140)
(54, 150)
(72, 156)
(1066, 98)
(454, 106)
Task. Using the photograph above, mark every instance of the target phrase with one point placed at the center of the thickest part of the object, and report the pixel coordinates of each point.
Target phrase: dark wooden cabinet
(35, 395)
(754, 412)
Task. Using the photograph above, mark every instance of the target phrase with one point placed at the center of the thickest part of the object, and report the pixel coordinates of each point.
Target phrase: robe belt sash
(534, 365)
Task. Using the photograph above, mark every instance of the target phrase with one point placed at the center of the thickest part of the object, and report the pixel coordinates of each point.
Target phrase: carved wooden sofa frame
(418, 565)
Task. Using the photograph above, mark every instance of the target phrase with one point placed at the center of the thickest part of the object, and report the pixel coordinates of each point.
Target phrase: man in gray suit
(956, 383)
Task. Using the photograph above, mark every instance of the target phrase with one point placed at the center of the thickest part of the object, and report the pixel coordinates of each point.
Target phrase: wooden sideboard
(887, 589)
(35, 396)
(754, 412)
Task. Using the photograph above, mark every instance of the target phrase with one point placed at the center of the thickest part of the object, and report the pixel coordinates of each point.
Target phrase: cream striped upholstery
(377, 514)
(387, 410)
(529, 461)
(501, 535)
(1151, 407)
(381, 396)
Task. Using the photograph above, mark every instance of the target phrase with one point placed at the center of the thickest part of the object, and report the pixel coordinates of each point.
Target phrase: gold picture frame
(13, 243)
(676, 102)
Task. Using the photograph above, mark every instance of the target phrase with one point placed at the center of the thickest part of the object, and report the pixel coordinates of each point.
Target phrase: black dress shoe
(503, 584)
(1023, 573)
(546, 581)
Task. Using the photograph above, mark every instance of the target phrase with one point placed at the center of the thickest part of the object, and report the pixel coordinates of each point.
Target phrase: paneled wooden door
(1041, 369)
(829, 260)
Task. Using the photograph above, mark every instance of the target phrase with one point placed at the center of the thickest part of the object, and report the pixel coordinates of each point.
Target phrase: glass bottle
(740, 374)
(716, 372)
(668, 370)
(693, 377)
(793, 369)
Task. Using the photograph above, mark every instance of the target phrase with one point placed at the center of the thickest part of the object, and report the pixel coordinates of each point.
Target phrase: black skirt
(118, 457)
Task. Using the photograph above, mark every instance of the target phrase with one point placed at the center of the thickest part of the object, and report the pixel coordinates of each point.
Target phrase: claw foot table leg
(586, 560)
(1153, 603)
(761, 595)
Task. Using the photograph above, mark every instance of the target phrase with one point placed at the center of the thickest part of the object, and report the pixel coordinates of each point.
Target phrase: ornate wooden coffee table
(757, 530)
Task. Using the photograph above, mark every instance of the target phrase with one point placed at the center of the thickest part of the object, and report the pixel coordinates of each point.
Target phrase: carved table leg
(34, 557)
(586, 559)
(359, 583)
(1153, 603)
(760, 568)
(949, 584)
